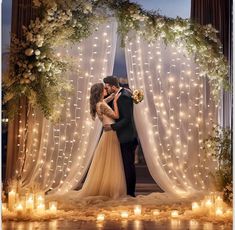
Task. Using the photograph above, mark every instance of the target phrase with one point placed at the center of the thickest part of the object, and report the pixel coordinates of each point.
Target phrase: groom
(125, 129)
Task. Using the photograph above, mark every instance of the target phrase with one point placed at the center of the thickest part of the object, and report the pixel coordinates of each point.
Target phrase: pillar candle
(100, 217)
(174, 213)
(41, 208)
(19, 208)
(11, 200)
(29, 202)
(124, 214)
(53, 207)
(137, 210)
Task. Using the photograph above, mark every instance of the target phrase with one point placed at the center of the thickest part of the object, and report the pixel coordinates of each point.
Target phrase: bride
(106, 174)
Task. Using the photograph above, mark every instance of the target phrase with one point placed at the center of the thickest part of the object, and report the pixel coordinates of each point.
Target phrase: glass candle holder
(124, 214)
(174, 213)
(100, 217)
(53, 207)
(137, 210)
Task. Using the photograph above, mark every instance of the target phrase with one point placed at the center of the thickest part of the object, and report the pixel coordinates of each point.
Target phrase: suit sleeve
(125, 108)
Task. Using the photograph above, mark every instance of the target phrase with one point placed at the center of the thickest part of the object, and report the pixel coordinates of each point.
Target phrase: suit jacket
(125, 126)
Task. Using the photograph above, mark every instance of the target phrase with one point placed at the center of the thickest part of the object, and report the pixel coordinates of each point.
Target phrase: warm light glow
(53, 206)
(124, 214)
(208, 203)
(19, 208)
(41, 208)
(156, 212)
(219, 211)
(4, 207)
(100, 217)
(11, 200)
(195, 206)
(137, 210)
(30, 202)
(174, 213)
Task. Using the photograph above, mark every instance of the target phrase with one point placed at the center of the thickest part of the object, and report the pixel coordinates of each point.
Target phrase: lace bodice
(105, 113)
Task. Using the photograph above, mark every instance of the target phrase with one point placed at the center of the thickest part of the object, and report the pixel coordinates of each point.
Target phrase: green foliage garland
(37, 73)
(218, 145)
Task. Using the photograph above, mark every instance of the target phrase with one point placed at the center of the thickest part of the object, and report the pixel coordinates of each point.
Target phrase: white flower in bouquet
(29, 36)
(37, 52)
(87, 8)
(138, 96)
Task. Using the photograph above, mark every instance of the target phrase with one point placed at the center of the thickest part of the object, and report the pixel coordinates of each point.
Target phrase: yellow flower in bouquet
(138, 96)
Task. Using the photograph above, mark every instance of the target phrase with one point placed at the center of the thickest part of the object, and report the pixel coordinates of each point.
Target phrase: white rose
(37, 52)
(39, 43)
(32, 77)
(26, 75)
(29, 36)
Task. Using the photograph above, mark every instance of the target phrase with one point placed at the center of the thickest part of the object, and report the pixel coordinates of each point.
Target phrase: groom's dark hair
(112, 81)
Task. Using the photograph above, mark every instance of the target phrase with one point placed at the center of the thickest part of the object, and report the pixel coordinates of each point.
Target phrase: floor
(145, 185)
(108, 225)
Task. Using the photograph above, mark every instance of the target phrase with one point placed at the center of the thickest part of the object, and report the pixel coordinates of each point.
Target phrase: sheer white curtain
(58, 155)
(175, 116)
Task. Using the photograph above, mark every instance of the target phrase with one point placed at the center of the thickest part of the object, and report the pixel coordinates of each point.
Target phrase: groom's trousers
(128, 156)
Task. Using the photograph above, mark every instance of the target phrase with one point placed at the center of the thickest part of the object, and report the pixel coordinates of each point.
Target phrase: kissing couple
(112, 170)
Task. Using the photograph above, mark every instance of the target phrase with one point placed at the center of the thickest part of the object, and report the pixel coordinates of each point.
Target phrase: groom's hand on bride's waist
(107, 127)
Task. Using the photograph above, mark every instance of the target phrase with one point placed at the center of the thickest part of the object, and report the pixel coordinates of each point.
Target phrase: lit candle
(208, 203)
(229, 212)
(29, 202)
(4, 207)
(156, 212)
(174, 213)
(19, 208)
(137, 210)
(53, 206)
(41, 208)
(218, 201)
(195, 206)
(39, 199)
(100, 217)
(11, 200)
(219, 212)
(124, 214)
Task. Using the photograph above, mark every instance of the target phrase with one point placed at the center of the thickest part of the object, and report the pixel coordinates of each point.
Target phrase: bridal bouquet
(138, 96)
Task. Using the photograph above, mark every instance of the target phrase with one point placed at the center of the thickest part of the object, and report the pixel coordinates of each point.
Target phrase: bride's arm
(105, 109)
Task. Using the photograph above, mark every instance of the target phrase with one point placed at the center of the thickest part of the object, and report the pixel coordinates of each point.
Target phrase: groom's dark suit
(126, 133)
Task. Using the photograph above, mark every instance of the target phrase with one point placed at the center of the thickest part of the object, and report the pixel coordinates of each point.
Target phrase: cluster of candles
(30, 203)
(213, 204)
(137, 212)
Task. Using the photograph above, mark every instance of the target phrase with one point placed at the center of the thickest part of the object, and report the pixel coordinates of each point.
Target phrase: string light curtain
(175, 116)
(59, 154)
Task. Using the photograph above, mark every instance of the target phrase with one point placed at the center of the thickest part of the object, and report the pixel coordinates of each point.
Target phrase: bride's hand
(116, 97)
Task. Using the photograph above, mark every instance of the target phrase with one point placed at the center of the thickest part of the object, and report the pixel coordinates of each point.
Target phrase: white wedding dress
(106, 174)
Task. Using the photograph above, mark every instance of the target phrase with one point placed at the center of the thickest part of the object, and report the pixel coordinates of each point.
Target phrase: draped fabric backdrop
(172, 121)
(219, 14)
(22, 12)
(58, 155)
(175, 116)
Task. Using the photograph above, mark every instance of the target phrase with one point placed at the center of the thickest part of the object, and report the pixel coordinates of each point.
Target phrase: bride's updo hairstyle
(95, 96)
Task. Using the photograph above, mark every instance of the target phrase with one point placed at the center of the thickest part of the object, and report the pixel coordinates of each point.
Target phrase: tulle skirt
(106, 174)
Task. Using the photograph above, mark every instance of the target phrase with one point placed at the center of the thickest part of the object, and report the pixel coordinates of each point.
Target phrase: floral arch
(43, 68)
